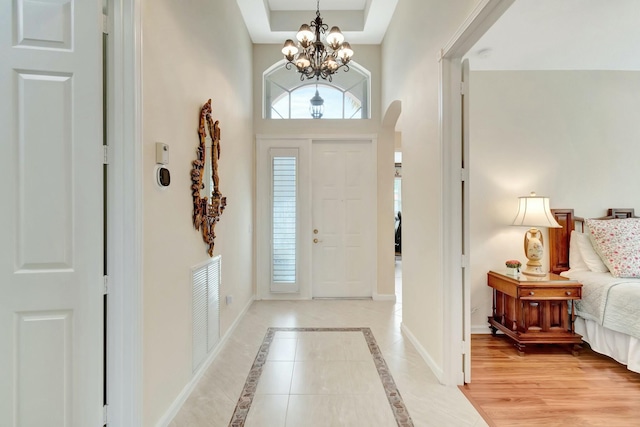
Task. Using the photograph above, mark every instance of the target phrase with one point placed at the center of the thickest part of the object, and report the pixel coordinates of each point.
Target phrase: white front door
(343, 219)
(51, 214)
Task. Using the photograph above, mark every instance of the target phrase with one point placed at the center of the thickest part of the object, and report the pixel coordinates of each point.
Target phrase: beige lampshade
(534, 211)
(335, 37)
(305, 34)
(289, 49)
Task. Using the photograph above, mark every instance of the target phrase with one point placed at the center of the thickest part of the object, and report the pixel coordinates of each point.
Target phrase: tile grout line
(293, 369)
(400, 412)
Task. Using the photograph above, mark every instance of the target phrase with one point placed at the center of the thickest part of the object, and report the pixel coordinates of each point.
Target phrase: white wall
(571, 135)
(192, 51)
(410, 73)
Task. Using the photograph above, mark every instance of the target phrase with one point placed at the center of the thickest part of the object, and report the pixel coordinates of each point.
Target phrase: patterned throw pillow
(617, 241)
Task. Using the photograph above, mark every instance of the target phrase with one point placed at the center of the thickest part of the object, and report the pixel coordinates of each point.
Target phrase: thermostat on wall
(163, 176)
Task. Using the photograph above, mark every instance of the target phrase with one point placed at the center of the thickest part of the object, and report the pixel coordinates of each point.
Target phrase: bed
(608, 315)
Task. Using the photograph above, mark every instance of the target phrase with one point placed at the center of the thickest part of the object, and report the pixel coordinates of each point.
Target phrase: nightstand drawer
(537, 293)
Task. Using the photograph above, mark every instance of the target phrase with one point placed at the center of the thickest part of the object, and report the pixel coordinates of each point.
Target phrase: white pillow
(618, 243)
(576, 261)
(589, 255)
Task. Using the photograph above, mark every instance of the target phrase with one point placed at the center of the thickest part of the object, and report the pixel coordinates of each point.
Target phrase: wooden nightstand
(534, 310)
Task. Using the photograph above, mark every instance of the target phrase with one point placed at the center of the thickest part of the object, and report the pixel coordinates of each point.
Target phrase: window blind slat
(283, 251)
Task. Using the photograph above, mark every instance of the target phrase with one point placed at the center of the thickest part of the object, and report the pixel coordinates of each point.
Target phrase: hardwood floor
(548, 386)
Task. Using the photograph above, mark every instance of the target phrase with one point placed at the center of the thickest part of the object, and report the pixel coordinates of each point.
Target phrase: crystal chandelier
(311, 57)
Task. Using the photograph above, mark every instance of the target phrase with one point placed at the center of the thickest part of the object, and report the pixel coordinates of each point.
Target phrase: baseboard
(188, 389)
(480, 329)
(437, 371)
(384, 297)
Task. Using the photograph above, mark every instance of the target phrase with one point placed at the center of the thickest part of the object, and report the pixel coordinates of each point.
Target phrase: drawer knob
(568, 293)
(532, 293)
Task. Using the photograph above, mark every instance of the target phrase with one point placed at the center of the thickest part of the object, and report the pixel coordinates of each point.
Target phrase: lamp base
(533, 270)
(534, 250)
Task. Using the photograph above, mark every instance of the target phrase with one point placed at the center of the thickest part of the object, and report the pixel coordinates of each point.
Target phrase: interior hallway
(279, 401)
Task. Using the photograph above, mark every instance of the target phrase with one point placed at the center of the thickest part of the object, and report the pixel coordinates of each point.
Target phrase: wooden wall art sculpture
(208, 202)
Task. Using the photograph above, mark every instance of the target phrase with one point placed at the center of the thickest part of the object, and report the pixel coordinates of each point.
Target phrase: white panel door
(51, 214)
(344, 219)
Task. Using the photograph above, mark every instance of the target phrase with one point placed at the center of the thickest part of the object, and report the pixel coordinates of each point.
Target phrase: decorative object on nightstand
(535, 310)
(534, 212)
(513, 267)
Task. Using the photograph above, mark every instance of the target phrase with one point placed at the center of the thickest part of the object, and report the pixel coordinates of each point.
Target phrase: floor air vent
(205, 279)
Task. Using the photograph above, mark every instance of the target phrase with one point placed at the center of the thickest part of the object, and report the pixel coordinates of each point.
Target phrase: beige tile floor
(319, 378)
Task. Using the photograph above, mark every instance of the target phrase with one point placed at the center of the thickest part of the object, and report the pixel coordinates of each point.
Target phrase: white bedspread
(611, 302)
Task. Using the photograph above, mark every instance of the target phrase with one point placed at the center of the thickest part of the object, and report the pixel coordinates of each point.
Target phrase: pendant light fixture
(311, 57)
(317, 105)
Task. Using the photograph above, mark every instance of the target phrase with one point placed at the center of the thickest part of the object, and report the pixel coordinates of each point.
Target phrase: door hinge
(105, 24)
(463, 88)
(105, 415)
(464, 175)
(105, 283)
(463, 347)
(105, 154)
(464, 261)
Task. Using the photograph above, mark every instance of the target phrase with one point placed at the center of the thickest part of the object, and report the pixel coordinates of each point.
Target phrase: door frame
(124, 213)
(456, 292)
(304, 142)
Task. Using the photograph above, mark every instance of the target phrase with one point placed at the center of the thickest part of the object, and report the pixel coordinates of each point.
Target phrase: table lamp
(534, 212)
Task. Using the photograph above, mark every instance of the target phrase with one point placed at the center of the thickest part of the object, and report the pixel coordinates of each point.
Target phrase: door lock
(315, 231)
(315, 240)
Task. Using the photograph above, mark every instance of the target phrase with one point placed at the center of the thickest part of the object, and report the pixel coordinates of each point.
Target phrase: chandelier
(311, 57)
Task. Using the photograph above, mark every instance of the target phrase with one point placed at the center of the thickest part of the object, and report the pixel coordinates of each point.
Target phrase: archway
(389, 135)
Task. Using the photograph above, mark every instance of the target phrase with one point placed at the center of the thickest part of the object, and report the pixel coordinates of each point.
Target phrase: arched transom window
(287, 97)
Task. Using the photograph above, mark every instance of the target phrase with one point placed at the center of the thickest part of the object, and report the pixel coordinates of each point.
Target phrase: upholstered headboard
(559, 237)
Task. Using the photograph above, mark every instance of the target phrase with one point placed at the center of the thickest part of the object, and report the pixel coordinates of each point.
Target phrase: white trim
(276, 296)
(319, 137)
(479, 21)
(175, 407)
(423, 353)
(480, 329)
(384, 297)
(263, 223)
(124, 239)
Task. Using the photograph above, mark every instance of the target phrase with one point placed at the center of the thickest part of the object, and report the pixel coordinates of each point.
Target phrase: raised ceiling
(361, 21)
(531, 35)
(562, 35)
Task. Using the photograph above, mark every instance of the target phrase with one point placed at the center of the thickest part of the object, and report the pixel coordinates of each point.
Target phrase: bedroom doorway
(456, 188)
